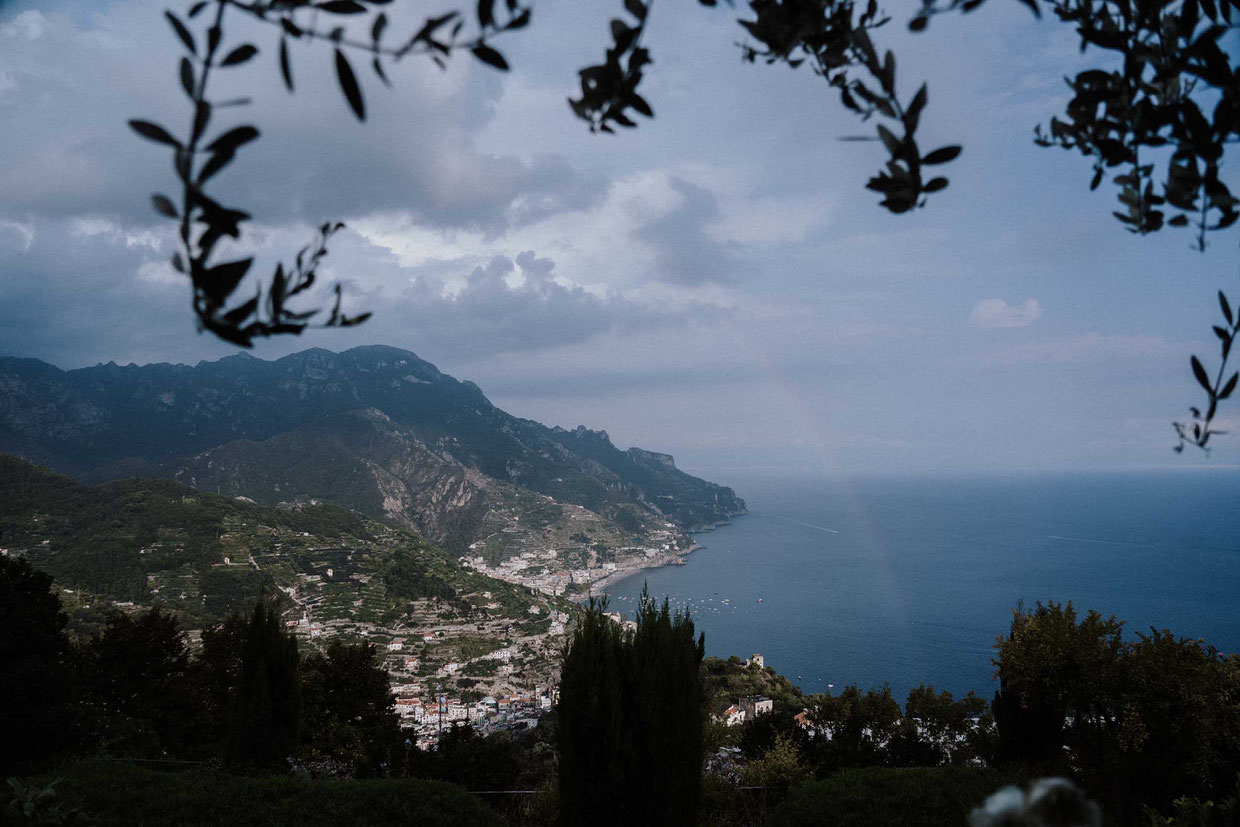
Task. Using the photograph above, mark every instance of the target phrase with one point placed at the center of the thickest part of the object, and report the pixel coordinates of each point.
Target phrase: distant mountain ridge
(373, 428)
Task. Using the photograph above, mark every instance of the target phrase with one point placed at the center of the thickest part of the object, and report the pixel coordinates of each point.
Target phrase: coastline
(599, 587)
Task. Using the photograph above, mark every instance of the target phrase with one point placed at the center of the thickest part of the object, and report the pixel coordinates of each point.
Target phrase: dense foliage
(1150, 725)
(36, 682)
(928, 797)
(265, 717)
(1141, 722)
(114, 793)
(347, 713)
(136, 674)
(631, 719)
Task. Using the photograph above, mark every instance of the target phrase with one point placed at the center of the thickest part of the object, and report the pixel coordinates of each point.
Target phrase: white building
(733, 716)
(756, 705)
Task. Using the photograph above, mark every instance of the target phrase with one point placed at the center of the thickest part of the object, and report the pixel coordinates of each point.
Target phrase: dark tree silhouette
(592, 733)
(216, 680)
(36, 683)
(137, 676)
(861, 724)
(476, 762)
(1140, 722)
(631, 719)
(265, 718)
(347, 707)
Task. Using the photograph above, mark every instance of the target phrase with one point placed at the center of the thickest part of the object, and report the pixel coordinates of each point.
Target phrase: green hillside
(157, 542)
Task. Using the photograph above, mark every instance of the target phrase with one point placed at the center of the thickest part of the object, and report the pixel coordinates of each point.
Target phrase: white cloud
(28, 25)
(992, 313)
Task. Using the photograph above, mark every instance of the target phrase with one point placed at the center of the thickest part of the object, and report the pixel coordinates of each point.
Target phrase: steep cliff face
(360, 460)
(374, 428)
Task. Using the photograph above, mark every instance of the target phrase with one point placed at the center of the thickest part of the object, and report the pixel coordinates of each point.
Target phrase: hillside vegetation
(204, 556)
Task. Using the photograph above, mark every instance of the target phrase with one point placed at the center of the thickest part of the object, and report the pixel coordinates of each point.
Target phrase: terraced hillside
(137, 543)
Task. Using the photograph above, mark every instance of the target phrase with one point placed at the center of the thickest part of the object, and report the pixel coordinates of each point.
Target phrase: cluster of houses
(544, 570)
(427, 718)
(746, 709)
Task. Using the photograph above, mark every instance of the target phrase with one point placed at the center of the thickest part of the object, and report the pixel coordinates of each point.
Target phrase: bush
(915, 797)
(117, 793)
(35, 803)
(1141, 723)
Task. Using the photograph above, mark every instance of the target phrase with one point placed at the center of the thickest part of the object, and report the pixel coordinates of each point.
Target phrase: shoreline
(599, 587)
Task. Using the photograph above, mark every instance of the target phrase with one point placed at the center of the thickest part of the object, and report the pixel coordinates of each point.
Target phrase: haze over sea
(910, 581)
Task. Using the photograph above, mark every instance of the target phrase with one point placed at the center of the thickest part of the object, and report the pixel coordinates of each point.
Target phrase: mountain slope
(135, 540)
(139, 542)
(288, 421)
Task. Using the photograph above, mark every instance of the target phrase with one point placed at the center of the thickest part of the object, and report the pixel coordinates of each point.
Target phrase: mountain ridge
(426, 429)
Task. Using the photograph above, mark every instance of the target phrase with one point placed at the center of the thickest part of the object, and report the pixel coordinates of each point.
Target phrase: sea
(910, 581)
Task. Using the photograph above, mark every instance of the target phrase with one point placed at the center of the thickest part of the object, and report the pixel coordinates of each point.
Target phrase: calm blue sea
(909, 582)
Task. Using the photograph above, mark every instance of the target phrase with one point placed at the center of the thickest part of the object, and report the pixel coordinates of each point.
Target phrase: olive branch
(203, 222)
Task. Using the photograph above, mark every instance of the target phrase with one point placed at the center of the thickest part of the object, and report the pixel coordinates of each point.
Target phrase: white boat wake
(1092, 540)
(809, 525)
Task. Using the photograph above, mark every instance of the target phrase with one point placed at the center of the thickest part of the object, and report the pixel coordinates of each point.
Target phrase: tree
(592, 734)
(938, 729)
(216, 680)
(631, 717)
(136, 673)
(464, 757)
(264, 720)
(780, 766)
(1162, 119)
(759, 734)
(1141, 723)
(347, 707)
(1051, 668)
(856, 727)
(667, 712)
(37, 715)
(1177, 723)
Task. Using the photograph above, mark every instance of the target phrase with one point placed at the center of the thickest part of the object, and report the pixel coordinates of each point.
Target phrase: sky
(716, 283)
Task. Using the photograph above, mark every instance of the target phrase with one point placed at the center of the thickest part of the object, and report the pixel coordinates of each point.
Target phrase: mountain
(144, 542)
(157, 541)
(374, 429)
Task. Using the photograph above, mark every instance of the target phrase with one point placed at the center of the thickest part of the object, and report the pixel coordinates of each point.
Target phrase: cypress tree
(591, 718)
(665, 724)
(267, 709)
(631, 707)
(37, 713)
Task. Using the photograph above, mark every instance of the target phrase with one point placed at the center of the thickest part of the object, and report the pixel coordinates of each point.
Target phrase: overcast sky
(717, 284)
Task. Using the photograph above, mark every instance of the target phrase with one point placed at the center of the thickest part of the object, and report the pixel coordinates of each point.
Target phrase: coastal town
(482, 658)
(574, 571)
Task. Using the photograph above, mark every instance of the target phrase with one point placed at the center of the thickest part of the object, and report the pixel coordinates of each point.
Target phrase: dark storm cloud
(74, 293)
(417, 154)
(685, 252)
(74, 287)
